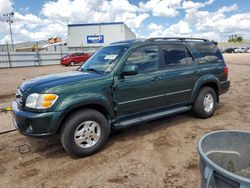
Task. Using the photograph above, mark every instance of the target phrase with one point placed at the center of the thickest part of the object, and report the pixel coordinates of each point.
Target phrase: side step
(150, 117)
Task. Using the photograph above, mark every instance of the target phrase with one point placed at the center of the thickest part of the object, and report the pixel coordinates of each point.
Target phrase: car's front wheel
(84, 133)
(72, 63)
(205, 103)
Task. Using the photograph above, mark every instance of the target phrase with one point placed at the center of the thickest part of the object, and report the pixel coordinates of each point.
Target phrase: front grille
(19, 96)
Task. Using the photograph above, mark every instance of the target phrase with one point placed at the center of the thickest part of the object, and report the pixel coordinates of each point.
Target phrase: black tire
(198, 107)
(67, 133)
(72, 63)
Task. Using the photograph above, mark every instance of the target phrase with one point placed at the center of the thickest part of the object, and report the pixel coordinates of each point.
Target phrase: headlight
(40, 101)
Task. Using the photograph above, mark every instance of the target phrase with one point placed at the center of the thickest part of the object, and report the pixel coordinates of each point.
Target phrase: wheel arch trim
(208, 80)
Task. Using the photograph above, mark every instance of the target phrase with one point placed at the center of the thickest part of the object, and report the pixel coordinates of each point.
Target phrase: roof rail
(128, 41)
(176, 38)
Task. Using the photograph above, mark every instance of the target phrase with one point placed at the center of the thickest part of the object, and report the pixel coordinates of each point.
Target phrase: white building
(92, 36)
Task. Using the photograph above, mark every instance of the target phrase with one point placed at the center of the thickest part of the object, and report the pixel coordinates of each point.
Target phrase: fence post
(61, 50)
(38, 54)
(8, 53)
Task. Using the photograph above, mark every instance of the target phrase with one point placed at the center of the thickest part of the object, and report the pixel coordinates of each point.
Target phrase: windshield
(104, 59)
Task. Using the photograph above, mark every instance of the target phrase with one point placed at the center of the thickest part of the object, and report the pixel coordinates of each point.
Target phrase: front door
(144, 91)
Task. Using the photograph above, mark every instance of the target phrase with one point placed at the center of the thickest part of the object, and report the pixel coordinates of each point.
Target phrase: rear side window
(146, 58)
(206, 52)
(175, 55)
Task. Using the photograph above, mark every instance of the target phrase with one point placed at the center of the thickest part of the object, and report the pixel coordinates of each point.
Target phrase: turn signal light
(46, 104)
(49, 97)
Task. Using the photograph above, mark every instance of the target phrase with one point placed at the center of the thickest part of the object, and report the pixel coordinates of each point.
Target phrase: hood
(40, 83)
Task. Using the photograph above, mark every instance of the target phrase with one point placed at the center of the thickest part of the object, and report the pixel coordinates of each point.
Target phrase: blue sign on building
(95, 39)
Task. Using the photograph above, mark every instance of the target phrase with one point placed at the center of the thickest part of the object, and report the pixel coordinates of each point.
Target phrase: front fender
(207, 79)
(80, 99)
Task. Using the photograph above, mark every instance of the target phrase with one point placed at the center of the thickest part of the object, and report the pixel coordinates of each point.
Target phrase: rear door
(180, 73)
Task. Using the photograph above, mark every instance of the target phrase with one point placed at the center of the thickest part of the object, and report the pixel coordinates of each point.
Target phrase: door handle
(196, 72)
(156, 78)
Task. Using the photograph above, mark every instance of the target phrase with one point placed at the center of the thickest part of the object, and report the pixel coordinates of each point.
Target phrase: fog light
(30, 128)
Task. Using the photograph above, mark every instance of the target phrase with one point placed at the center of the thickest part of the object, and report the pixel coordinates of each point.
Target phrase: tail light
(226, 70)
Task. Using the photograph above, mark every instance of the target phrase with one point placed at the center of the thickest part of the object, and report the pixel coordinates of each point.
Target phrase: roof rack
(176, 38)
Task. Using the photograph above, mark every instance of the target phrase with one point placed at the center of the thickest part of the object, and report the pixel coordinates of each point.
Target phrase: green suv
(123, 84)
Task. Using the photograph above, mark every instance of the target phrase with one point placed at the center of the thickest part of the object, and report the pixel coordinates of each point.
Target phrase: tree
(235, 38)
(239, 39)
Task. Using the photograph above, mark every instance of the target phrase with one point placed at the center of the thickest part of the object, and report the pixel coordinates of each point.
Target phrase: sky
(212, 19)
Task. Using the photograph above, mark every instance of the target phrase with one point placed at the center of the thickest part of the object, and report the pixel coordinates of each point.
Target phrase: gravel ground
(161, 153)
(12, 78)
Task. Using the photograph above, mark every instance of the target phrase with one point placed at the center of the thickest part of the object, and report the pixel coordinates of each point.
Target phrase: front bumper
(64, 62)
(36, 124)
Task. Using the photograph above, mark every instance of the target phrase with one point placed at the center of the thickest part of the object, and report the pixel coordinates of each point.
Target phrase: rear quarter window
(206, 52)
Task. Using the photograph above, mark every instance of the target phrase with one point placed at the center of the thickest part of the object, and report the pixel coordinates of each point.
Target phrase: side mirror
(130, 70)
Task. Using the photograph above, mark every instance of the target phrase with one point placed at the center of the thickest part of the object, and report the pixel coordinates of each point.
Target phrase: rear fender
(204, 80)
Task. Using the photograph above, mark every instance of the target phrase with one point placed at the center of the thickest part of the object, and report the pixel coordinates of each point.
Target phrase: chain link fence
(22, 59)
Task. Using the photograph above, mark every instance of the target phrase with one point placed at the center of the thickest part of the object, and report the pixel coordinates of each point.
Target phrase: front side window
(175, 55)
(146, 58)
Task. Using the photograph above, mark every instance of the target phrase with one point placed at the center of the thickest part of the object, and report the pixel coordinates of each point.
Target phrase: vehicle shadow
(143, 129)
(47, 148)
(52, 148)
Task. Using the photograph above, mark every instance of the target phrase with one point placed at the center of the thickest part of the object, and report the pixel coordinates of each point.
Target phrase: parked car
(123, 84)
(236, 50)
(222, 50)
(75, 58)
(242, 50)
(248, 50)
(229, 50)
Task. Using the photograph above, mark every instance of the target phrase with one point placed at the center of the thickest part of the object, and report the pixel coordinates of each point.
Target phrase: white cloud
(95, 11)
(180, 29)
(228, 9)
(234, 23)
(5, 6)
(30, 18)
(205, 21)
(212, 25)
(5, 39)
(153, 26)
(166, 8)
(190, 5)
(54, 16)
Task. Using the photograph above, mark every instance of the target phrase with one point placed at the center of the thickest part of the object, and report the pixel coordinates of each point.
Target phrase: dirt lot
(161, 153)
(11, 78)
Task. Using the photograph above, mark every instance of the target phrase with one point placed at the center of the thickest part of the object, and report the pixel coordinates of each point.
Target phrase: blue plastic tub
(225, 159)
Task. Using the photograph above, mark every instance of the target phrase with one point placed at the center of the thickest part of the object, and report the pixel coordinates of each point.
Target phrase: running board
(150, 117)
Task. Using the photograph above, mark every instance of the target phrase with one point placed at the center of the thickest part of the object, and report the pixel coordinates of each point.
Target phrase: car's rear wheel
(72, 63)
(205, 103)
(84, 133)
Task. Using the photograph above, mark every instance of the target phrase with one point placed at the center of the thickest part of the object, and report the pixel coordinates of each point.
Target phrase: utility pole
(8, 53)
(9, 17)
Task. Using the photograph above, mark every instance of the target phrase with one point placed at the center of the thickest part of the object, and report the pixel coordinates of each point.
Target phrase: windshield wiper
(93, 70)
